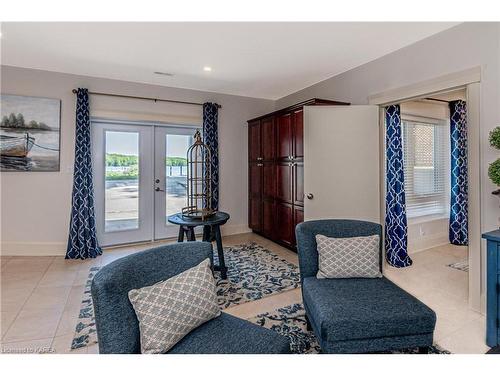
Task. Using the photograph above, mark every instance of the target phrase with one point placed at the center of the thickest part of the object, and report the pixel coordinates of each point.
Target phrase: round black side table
(210, 224)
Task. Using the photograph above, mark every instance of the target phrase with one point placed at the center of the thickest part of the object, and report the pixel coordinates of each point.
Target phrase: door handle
(260, 165)
(310, 196)
(158, 189)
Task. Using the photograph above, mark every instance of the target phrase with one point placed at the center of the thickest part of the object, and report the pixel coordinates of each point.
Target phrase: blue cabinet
(493, 288)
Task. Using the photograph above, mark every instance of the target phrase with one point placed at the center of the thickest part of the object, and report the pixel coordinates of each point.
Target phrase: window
(426, 166)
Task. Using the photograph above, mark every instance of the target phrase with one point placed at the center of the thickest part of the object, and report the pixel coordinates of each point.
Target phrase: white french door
(171, 144)
(140, 179)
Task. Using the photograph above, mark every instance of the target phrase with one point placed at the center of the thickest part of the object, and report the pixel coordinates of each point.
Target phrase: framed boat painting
(30, 131)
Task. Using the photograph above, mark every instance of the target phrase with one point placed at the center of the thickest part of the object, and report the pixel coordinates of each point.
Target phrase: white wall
(35, 206)
(464, 46)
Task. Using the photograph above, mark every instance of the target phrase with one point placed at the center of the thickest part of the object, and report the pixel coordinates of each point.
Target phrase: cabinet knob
(310, 196)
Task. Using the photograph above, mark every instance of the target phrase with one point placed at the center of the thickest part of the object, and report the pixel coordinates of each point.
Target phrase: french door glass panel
(121, 204)
(123, 171)
(171, 144)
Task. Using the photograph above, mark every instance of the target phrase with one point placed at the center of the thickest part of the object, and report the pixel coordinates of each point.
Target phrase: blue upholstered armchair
(117, 324)
(358, 315)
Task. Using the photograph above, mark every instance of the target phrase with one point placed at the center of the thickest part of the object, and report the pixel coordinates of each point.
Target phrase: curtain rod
(142, 98)
(437, 100)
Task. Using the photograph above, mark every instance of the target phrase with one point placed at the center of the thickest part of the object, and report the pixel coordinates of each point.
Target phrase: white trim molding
(59, 248)
(446, 82)
(33, 249)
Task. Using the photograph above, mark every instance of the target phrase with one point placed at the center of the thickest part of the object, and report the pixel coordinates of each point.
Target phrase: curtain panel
(396, 227)
(211, 139)
(458, 233)
(82, 242)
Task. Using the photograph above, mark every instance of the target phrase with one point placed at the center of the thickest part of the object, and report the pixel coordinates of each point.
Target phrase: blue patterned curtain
(459, 185)
(82, 242)
(396, 227)
(211, 139)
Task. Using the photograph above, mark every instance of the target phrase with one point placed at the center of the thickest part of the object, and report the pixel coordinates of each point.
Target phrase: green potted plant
(494, 168)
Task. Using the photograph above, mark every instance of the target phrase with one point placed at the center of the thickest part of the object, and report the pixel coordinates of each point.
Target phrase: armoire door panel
(254, 141)
(255, 179)
(298, 183)
(298, 134)
(269, 180)
(268, 139)
(284, 136)
(284, 223)
(298, 217)
(255, 214)
(284, 182)
(268, 218)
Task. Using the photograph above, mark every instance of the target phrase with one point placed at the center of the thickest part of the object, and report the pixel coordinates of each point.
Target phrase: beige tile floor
(40, 297)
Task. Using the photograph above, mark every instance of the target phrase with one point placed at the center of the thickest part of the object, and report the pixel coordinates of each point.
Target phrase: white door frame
(148, 228)
(470, 80)
(144, 232)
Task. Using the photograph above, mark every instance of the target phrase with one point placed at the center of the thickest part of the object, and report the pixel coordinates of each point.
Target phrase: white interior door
(171, 144)
(123, 175)
(341, 162)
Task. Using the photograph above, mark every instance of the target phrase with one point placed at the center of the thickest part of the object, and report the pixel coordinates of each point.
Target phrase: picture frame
(30, 133)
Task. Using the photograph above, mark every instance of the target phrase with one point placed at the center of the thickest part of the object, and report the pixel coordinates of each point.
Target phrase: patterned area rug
(463, 265)
(290, 321)
(254, 272)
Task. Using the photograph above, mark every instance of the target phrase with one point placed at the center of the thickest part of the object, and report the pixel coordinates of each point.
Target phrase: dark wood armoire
(276, 172)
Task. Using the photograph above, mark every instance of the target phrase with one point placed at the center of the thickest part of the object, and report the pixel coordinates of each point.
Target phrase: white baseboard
(228, 230)
(427, 242)
(59, 248)
(33, 248)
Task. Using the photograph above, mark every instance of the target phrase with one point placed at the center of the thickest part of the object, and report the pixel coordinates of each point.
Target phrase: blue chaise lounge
(118, 327)
(358, 315)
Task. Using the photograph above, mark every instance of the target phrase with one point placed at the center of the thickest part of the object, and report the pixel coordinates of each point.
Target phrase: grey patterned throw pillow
(341, 258)
(169, 310)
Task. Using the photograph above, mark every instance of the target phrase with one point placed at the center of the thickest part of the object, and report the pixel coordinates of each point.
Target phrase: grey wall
(464, 46)
(35, 206)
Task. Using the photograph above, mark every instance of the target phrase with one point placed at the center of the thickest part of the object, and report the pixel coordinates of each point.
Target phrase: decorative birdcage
(199, 181)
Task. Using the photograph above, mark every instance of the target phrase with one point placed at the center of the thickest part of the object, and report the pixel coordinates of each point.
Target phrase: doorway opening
(446, 277)
(140, 177)
(438, 263)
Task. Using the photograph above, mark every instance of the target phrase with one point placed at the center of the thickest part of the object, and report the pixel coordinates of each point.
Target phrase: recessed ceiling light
(207, 69)
(164, 74)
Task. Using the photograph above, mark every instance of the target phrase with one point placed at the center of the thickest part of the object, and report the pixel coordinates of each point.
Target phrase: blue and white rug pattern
(254, 272)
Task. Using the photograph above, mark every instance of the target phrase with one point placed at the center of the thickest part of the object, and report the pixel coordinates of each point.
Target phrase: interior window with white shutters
(426, 166)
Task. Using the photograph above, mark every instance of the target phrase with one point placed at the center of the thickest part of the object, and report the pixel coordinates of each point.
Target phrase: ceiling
(264, 60)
